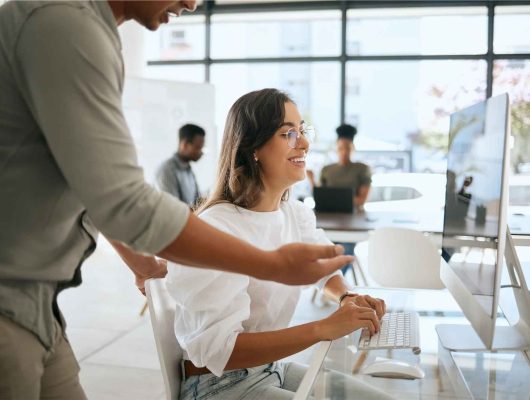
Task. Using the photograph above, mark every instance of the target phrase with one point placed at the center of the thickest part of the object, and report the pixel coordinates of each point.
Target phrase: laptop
(331, 199)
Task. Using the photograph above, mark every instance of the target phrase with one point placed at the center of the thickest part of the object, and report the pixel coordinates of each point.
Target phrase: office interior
(396, 70)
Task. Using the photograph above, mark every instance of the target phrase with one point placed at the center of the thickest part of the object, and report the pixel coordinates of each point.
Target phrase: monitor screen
(475, 209)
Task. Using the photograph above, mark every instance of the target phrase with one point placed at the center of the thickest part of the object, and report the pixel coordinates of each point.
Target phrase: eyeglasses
(293, 136)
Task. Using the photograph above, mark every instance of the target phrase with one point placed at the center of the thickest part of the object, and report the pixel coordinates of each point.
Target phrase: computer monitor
(475, 236)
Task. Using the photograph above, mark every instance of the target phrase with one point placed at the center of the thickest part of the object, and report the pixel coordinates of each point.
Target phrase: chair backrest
(162, 311)
(405, 258)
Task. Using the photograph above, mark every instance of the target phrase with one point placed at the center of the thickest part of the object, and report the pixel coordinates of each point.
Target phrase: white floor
(113, 344)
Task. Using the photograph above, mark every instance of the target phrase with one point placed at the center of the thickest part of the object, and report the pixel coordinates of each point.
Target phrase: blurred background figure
(175, 175)
(346, 173)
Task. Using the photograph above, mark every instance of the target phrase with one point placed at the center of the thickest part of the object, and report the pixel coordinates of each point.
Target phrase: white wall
(155, 109)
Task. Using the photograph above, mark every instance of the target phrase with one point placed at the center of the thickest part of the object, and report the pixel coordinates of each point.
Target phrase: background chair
(162, 310)
(399, 257)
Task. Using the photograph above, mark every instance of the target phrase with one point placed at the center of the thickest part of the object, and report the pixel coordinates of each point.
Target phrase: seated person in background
(345, 173)
(348, 174)
(234, 329)
(175, 175)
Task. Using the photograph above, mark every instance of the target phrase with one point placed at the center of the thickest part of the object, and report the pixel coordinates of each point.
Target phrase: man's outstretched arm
(201, 245)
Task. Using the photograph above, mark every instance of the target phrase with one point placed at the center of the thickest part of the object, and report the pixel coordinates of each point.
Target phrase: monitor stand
(463, 338)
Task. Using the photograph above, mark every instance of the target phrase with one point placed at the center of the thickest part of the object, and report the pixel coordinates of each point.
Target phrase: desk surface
(488, 375)
(421, 221)
(344, 227)
(367, 221)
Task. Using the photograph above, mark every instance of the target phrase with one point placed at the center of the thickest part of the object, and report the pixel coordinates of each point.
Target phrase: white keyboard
(398, 330)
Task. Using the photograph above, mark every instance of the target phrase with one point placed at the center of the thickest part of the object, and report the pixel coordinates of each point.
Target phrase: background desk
(488, 375)
(344, 227)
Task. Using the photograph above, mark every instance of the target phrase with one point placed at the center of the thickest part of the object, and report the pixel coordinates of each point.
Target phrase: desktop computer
(477, 244)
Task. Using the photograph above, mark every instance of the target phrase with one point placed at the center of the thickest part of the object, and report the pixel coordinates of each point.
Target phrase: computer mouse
(387, 368)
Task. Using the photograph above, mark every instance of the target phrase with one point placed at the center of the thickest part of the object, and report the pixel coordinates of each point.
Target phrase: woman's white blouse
(214, 307)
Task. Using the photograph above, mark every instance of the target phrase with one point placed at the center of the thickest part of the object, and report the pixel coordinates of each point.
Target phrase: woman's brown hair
(251, 122)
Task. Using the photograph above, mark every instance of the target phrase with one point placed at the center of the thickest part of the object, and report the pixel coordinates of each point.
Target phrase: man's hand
(378, 305)
(302, 264)
(159, 270)
(143, 267)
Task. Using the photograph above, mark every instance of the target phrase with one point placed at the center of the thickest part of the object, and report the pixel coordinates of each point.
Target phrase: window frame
(210, 7)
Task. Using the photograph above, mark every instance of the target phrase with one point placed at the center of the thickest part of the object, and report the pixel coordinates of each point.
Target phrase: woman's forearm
(335, 287)
(253, 349)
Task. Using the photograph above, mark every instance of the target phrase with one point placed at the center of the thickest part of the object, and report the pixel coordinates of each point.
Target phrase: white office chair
(162, 310)
(399, 257)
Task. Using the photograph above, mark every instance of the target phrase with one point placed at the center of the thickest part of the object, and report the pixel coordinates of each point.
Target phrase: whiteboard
(156, 109)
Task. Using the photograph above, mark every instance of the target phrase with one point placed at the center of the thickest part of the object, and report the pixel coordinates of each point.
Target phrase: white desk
(487, 375)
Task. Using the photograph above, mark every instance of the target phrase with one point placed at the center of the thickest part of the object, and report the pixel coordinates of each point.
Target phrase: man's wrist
(154, 268)
(267, 266)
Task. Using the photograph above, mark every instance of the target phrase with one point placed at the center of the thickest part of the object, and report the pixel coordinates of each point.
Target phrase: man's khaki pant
(28, 371)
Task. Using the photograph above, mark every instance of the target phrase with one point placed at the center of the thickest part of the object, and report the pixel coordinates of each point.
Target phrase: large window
(405, 105)
(394, 70)
(513, 77)
(315, 87)
(183, 73)
(417, 31)
(511, 30)
(181, 39)
(278, 34)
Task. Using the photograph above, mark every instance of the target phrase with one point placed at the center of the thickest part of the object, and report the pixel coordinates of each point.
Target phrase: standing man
(346, 173)
(68, 169)
(175, 175)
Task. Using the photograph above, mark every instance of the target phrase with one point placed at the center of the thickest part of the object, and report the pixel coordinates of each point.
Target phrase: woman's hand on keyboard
(347, 319)
(378, 305)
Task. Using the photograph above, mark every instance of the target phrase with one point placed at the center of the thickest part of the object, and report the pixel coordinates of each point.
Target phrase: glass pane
(181, 39)
(396, 31)
(410, 112)
(513, 77)
(183, 73)
(511, 30)
(313, 86)
(276, 34)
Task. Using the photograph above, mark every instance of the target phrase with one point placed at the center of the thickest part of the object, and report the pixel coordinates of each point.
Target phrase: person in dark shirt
(346, 173)
(175, 175)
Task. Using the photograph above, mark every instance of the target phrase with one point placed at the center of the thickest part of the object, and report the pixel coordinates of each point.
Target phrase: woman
(345, 173)
(233, 328)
